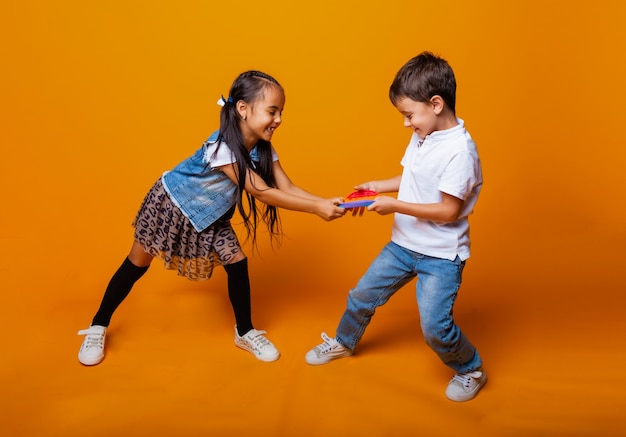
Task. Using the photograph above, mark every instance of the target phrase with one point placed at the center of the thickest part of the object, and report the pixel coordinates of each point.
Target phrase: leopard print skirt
(164, 232)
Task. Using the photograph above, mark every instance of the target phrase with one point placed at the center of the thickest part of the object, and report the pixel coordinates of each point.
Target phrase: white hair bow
(222, 101)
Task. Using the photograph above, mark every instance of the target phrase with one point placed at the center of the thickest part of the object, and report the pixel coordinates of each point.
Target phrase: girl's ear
(438, 104)
(242, 108)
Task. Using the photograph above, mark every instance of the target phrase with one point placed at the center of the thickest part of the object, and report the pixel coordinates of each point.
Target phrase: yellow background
(99, 98)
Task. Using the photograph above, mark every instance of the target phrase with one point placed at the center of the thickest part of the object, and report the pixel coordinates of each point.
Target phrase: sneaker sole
(91, 362)
(259, 357)
(318, 361)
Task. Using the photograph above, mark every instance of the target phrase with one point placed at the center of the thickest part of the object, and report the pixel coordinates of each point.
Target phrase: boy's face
(420, 117)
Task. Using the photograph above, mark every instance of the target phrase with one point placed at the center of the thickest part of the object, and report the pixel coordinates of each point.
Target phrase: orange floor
(552, 349)
(98, 98)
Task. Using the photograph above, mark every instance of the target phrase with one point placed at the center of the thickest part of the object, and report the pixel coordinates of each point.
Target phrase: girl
(185, 217)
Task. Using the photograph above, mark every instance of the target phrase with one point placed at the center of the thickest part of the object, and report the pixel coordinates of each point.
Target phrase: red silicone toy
(359, 198)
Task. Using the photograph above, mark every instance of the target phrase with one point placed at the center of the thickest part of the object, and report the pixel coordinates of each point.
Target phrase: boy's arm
(446, 211)
(390, 185)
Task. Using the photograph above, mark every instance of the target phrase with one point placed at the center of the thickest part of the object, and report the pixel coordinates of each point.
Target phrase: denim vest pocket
(203, 194)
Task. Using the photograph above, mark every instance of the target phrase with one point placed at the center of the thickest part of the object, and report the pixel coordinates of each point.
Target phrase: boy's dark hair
(250, 86)
(423, 77)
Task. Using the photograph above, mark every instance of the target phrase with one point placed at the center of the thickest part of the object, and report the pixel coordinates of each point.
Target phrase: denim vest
(202, 193)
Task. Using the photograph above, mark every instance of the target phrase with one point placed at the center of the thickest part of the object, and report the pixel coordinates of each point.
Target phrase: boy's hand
(371, 186)
(383, 205)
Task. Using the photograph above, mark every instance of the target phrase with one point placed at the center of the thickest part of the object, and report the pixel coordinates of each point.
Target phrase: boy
(437, 191)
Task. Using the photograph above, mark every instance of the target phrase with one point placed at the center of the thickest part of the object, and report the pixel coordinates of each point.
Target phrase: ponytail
(249, 87)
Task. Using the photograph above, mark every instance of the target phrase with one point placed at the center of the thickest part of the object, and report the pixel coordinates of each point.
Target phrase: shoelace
(328, 345)
(94, 340)
(465, 379)
(259, 340)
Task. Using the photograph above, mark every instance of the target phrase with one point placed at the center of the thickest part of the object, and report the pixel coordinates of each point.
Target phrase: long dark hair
(249, 87)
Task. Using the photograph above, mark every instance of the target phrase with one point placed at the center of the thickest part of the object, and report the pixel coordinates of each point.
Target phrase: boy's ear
(438, 104)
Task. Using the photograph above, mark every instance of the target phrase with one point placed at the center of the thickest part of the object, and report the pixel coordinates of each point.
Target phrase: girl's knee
(239, 256)
(138, 256)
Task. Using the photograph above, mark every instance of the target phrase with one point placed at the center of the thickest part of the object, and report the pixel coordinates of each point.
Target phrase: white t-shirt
(225, 156)
(445, 161)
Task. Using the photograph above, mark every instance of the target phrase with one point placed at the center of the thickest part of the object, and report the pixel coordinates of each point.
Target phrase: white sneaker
(465, 386)
(92, 350)
(324, 353)
(257, 344)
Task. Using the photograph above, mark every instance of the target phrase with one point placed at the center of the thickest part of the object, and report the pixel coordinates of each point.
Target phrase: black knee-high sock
(239, 294)
(117, 290)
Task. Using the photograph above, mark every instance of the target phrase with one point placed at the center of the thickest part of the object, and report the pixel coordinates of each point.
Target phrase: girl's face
(261, 118)
(419, 116)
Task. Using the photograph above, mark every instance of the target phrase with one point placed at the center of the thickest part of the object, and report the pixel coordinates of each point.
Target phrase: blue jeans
(437, 287)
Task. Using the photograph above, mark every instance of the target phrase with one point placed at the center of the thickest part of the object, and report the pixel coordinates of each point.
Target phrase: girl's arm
(446, 211)
(324, 208)
(390, 185)
(285, 184)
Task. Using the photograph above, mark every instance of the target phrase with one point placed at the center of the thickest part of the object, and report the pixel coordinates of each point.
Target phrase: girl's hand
(328, 209)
